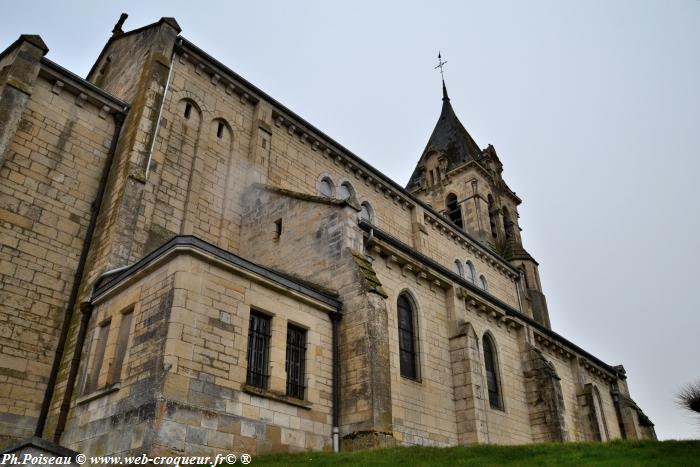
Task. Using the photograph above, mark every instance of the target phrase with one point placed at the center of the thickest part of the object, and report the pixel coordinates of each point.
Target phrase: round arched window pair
(326, 188)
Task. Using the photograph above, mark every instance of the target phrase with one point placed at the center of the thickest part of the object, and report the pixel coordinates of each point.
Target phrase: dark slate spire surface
(449, 138)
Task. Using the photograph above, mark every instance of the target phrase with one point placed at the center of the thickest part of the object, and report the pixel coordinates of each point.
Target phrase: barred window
(295, 362)
(407, 338)
(258, 350)
(491, 364)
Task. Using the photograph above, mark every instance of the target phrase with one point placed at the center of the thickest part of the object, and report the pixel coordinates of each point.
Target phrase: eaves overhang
(188, 244)
(53, 72)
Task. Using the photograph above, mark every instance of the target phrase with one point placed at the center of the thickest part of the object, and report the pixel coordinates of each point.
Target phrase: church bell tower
(464, 183)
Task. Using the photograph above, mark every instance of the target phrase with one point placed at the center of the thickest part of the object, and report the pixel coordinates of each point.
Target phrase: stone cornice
(63, 79)
(187, 244)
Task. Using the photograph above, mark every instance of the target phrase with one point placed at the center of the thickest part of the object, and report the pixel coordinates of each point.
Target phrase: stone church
(188, 266)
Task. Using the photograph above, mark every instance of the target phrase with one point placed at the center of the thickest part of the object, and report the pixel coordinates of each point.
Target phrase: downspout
(335, 322)
(78, 278)
(160, 110)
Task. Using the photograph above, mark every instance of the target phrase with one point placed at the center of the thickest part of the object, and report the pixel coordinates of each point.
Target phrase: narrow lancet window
(407, 338)
(492, 382)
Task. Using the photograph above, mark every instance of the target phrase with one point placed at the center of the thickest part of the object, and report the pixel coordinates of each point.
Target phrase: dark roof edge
(376, 173)
(77, 80)
(196, 243)
(393, 241)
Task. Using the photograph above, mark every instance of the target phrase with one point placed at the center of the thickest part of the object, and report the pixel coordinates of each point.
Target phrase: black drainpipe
(335, 322)
(95, 208)
(86, 312)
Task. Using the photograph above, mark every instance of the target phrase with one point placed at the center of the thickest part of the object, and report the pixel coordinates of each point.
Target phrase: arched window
(346, 190)
(457, 268)
(470, 272)
(492, 380)
(454, 212)
(326, 187)
(408, 356)
(189, 111)
(492, 215)
(483, 283)
(366, 212)
(221, 131)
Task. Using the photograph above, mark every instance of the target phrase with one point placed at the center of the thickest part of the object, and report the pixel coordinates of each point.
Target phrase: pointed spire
(445, 97)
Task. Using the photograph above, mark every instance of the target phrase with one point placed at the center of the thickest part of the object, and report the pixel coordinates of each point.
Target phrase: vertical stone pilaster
(545, 398)
(470, 406)
(19, 70)
(420, 232)
(261, 142)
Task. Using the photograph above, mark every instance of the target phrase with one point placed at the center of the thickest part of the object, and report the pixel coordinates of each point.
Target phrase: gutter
(78, 278)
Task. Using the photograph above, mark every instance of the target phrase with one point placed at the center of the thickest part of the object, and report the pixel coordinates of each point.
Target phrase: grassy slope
(625, 453)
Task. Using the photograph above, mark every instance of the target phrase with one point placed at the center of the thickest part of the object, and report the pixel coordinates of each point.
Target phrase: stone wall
(183, 385)
(48, 180)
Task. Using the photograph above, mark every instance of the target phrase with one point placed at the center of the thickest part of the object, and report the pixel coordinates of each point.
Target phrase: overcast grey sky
(592, 106)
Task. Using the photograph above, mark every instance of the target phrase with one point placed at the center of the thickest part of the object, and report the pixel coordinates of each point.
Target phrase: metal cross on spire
(440, 65)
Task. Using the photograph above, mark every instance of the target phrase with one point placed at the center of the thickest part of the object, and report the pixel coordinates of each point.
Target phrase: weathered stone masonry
(148, 211)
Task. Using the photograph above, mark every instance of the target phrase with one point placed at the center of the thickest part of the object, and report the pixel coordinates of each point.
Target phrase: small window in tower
(220, 130)
(278, 229)
(188, 110)
(492, 216)
(454, 211)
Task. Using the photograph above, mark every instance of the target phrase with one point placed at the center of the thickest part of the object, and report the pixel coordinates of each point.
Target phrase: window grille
(258, 350)
(295, 362)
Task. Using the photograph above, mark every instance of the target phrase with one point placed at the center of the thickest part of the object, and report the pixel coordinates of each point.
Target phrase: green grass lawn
(626, 453)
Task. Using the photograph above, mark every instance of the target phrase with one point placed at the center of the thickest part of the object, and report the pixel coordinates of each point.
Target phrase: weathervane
(440, 65)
